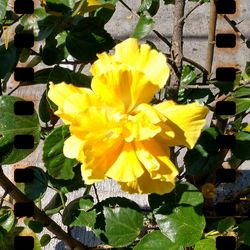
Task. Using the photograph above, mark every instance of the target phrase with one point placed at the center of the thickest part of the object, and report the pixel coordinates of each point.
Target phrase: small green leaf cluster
(174, 221)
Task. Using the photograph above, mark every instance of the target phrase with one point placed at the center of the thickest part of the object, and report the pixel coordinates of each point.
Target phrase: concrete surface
(195, 44)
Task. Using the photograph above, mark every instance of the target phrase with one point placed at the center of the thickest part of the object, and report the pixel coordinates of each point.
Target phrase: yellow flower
(115, 132)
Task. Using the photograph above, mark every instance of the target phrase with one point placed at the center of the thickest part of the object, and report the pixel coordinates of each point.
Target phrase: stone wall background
(120, 27)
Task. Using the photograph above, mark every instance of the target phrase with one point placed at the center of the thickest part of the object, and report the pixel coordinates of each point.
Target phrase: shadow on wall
(88, 238)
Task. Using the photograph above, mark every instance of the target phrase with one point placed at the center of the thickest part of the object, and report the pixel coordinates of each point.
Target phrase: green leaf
(181, 224)
(87, 38)
(184, 193)
(3, 8)
(242, 147)
(31, 22)
(208, 244)
(43, 108)
(188, 75)
(53, 54)
(110, 202)
(242, 104)
(151, 6)
(242, 92)
(123, 225)
(58, 166)
(34, 190)
(55, 204)
(12, 125)
(45, 239)
(66, 186)
(7, 219)
(179, 214)
(246, 73)
(104, 14)
(48, 26)
(60, 6)
(202, 159)
(35, 225)
(244, 229)
(143, 27)
(24, 55)
(169, 2)
(59, 74)
(8, 58)
(76, 213)
(226, 224)
(156, 240)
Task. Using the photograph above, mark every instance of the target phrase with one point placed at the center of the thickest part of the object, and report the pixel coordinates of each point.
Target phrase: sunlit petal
(185, 120)
(127, 167)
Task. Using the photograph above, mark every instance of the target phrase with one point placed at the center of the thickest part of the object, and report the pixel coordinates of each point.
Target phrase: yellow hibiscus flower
(115, 132)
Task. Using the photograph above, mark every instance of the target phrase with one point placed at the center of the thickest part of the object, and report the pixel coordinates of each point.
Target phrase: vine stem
(53, 227)
(176, 50)
(211, 38)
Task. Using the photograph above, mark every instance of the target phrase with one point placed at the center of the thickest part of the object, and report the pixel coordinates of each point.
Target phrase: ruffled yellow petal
(156, 159)
(144, 59)
(127, 167)
(98, 158)
(185, 120)
(139, 127)
(124, 89)
(146, 185)
(130, 55)
(59, 92)
(73, 147)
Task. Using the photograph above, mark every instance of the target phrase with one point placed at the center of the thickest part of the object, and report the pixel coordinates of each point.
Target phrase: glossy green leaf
(243, 230)
(43, 108)
(179, 214)
(151, 6)
(66, 186)
(11, 125)
(3, 8)
(8, 58)
(226, 224)
(58, 166)
(87, 38)
(60, 6)
(76, 213)
(104, 14)
(202, 96)
(242, 104)
(123, 225)
(31, 22)
(184, 193)
(35, 225)
(156, 240)
(201, 160)
(48, 26)
(169, 2)
(7, 219)
(34, 190)
(143, 27)
(242, 92)
(53, 54)
(110, 202)
(208, 244)
(24, 55)
(188, 75)
(59, 74)
(182, 224)
(242, 147)
(55, 204)
(45, 240)
(246, 73)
